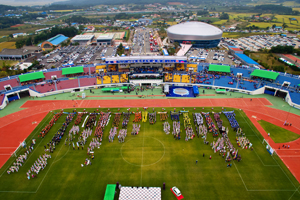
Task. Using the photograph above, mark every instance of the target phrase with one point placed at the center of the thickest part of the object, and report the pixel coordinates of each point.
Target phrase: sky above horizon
(27, 2)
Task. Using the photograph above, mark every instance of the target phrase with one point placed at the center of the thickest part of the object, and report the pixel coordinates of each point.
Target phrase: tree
(284, 25)
(20, 43)
(224, 16)
(171, 51)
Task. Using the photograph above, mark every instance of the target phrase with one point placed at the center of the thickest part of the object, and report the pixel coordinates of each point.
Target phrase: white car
(176, 191)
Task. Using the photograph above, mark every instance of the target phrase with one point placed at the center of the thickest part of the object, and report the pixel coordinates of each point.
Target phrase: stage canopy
(219, 68)
(72, 70)
(264, 74)
(31, 76)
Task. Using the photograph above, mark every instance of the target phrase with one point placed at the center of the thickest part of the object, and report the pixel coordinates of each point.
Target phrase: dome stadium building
(200, 34)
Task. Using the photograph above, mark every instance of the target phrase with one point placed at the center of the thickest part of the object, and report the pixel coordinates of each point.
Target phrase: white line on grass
(142, 156)
(49, 168)
(294, 192)
(240, 176)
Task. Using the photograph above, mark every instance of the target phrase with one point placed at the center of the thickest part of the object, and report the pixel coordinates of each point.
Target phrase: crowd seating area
(200, 75)
(99, 81)
(73, 83)
(12, 82)
(115, 78)
(194, 66)
(180, 67)
(43, 88)
(124, 78)
(176, 78)
(106, 80)
(87, 81)
(185, 78)
(58, 75)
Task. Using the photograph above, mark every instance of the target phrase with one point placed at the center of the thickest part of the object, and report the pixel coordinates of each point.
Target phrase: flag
(236, 154)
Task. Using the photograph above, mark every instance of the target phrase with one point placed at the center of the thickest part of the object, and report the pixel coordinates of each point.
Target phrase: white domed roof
(194, 31)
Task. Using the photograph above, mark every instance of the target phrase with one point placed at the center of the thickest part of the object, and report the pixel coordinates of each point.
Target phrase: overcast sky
(27, 2)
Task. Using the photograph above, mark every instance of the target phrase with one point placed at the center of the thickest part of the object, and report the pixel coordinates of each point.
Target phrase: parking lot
(71, 55)
(209, 56)
(144, 42)
(257, 42)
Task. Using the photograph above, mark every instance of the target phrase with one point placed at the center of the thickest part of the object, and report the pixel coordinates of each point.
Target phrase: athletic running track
(17, 126)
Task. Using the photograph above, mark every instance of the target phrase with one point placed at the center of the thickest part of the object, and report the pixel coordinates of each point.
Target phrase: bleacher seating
(1, 98)
(124, 78)
(58, 74)
(44, 88)
(106, 80)
(115, 79)
(87, 82)
(73, 83)
(99, 81)
(185, 78)
(11, 82)
(176, 78)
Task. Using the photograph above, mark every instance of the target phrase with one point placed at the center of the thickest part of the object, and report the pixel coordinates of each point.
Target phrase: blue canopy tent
(195, 90)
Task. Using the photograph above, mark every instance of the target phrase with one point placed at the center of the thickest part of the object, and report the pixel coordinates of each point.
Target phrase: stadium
(150, 123)
(200, 34)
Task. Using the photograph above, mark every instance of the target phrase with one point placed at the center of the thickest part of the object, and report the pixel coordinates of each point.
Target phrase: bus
(51, 60)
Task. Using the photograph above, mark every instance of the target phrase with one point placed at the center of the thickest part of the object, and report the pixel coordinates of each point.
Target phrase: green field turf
(278, 134)
(150, 159)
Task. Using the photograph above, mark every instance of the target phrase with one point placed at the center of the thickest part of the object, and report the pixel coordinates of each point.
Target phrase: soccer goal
(21, 145)
(268, 147)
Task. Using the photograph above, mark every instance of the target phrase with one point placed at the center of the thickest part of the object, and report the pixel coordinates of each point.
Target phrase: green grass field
(278, 134)
(149, 159)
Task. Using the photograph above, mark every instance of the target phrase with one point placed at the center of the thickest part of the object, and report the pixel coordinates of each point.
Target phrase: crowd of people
(91, 121)
(163, 116)
(135, 129)
(37, 166)
(244, 142)
(103, 121)
(79, 118)
(166, 127)
(117, 120)
(230, 115)
(112, 133)
(126, 116)
(21, 159)
(198, 119)
(152, 118)
(188, 127)
(144, 116)
(218, 120)
(137, 117)
(176, 129)
(122, 135)
(50, 124)
(210, 124)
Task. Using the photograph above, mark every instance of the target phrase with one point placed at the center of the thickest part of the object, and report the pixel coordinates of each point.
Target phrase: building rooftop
(106, 36)
(83, 37)
(56, 40)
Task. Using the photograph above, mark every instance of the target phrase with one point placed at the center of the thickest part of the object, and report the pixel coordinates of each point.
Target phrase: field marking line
(142, 156)
(271, 156)
(49, 169)
(5, 154)
(292, 156)
(294, 192)
(263, 162)
(143, 165)
(29, 154)
(8, 147)
(33, 192)
(240, 176)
